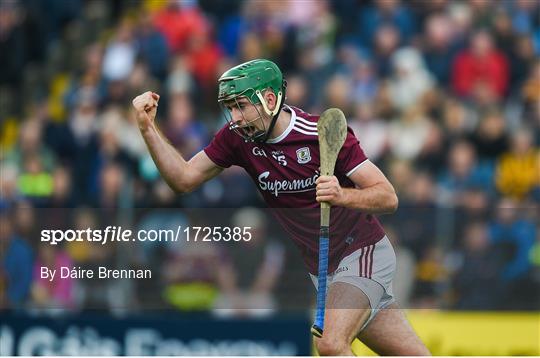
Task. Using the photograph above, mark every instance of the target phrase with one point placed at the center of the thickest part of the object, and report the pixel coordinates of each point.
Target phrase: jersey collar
(287, 130)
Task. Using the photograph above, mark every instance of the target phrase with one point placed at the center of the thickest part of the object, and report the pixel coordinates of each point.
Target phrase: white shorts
(371, 269)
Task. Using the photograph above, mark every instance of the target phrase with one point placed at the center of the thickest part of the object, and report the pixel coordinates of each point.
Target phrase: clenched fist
(146, 106)
(328, 190)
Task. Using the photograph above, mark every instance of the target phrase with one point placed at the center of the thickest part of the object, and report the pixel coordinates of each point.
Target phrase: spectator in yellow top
(518, 171)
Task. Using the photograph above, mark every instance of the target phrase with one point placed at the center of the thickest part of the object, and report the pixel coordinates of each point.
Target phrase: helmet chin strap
(263, 137)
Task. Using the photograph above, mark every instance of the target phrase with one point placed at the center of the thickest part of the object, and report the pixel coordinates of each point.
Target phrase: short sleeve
(221, 149)
(351, 155)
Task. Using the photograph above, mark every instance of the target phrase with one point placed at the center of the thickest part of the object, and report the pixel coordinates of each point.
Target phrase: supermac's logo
(277, 187)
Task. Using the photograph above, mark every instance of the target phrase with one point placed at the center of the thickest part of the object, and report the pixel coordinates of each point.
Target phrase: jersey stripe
(306, 122)
(360, 263)
(303, 126)
(366, 261)
(371, 261)
(304, 132)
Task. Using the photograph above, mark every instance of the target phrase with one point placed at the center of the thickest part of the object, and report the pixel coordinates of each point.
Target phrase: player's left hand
(329, 190)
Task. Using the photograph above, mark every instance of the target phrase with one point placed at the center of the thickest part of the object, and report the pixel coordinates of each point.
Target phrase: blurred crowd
(444, 96)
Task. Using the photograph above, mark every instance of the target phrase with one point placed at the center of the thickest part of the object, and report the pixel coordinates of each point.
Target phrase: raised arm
(181, 175)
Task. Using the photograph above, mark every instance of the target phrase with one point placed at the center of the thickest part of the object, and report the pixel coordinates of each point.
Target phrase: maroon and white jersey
(285, 169)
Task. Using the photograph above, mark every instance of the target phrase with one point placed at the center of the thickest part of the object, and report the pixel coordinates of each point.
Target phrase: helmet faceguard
(249, 81)
(252, 130)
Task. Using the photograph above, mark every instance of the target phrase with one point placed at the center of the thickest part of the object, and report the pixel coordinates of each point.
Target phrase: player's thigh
(390, 333)
(347, 308)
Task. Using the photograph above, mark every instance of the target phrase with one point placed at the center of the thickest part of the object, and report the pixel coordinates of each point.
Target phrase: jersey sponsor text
(284, 186)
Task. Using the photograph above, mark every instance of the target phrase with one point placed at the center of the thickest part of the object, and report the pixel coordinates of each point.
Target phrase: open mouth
(249, 129)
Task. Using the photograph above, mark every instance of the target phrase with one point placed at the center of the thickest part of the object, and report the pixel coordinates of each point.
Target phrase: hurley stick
(332, 130)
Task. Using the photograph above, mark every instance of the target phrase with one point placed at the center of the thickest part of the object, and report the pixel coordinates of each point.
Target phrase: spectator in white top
(410, 80)
(120, 54)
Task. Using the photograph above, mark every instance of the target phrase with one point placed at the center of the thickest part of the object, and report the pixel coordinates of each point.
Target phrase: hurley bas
(102, 272)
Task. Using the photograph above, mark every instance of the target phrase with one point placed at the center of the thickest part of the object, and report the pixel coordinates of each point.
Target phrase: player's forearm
(377, 199)
(173, 167)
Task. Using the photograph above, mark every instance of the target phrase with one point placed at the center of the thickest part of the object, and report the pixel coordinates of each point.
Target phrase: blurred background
(444, 96)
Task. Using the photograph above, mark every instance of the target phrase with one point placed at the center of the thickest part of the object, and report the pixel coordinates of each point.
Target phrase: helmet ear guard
(279, 103)
(279, 106)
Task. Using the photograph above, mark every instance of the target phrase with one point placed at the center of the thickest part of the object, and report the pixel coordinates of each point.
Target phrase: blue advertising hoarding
(98, 334)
